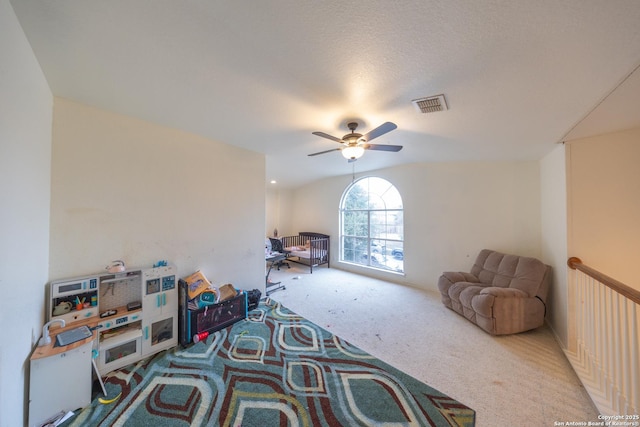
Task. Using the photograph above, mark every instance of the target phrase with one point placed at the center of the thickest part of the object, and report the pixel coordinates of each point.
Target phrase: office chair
(276, 246)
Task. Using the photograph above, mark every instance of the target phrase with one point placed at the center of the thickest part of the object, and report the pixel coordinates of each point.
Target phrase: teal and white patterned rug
(273, 369)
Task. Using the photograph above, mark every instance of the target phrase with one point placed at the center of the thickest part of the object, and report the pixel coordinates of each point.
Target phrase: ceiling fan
(355, 143)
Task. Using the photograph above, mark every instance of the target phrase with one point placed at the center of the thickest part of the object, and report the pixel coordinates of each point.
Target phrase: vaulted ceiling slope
(518, 75)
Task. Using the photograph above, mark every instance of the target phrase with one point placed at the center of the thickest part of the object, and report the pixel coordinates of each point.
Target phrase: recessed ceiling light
(273, 181)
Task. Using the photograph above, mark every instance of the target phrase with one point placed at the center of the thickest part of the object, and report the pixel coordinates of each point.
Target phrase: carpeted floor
(516, 380)
(273, 369)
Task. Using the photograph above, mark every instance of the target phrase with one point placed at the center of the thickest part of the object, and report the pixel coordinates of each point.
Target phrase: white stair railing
(604, 326)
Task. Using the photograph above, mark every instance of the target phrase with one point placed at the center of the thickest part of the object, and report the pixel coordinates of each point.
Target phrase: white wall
(604, 203)
(127, 189)
(25, 165)
(554, 237)
(279, 212)
(452, 211)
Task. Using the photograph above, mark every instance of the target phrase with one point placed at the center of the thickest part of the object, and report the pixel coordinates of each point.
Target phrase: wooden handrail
(632, 294)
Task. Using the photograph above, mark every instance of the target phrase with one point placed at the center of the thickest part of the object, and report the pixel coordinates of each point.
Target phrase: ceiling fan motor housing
(353, 137)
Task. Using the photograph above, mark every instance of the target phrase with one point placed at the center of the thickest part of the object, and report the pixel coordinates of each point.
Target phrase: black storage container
(209, 319)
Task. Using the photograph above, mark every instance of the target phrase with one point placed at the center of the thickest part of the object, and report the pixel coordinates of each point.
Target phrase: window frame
(369, 249)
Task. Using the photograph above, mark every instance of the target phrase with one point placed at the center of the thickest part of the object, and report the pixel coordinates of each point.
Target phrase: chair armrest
(504, 292)
(460, 276)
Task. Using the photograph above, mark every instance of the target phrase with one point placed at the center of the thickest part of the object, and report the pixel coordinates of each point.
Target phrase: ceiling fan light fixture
(353, 152)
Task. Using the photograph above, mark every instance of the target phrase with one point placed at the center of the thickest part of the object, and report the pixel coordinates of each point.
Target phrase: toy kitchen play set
(103, 321)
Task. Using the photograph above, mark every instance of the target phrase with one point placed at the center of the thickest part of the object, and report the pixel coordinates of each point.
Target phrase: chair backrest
(276, 244)
(527, 274)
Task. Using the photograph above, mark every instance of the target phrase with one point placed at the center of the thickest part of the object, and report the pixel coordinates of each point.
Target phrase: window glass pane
(395, 229)
(348, 249)
(355, 223)
(387, 225)
(378, 227)
(357, 197)
(396, 249)
(360, 254)
(354, 250)
(392, 199)
(382, 194)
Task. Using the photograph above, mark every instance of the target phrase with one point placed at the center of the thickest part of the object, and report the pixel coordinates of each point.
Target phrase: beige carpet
(516, 380)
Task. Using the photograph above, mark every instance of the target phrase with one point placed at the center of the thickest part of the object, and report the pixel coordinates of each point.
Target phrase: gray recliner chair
(503, 294)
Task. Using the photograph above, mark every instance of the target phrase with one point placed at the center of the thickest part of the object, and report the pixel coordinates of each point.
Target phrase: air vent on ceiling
(430, 104)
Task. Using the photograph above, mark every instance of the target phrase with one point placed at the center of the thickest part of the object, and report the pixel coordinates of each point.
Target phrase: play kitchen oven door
(119, 347)
(73, 300)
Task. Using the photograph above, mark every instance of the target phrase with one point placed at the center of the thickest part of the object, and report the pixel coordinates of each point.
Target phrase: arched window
(372, 225)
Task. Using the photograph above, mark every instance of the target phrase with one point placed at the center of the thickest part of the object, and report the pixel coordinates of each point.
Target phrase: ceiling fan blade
(326, 135)
(326, 151)
(379, 131)
(383, 147)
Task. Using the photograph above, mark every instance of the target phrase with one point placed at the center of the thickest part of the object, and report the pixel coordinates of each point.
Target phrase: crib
(308, 248)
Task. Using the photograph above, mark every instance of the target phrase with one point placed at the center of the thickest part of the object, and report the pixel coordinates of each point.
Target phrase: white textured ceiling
(518, 75)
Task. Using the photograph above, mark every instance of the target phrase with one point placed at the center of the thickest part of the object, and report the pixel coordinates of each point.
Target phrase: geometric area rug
(273, 369)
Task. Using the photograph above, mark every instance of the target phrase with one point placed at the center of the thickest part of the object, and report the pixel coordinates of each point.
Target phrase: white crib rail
(605, 352)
